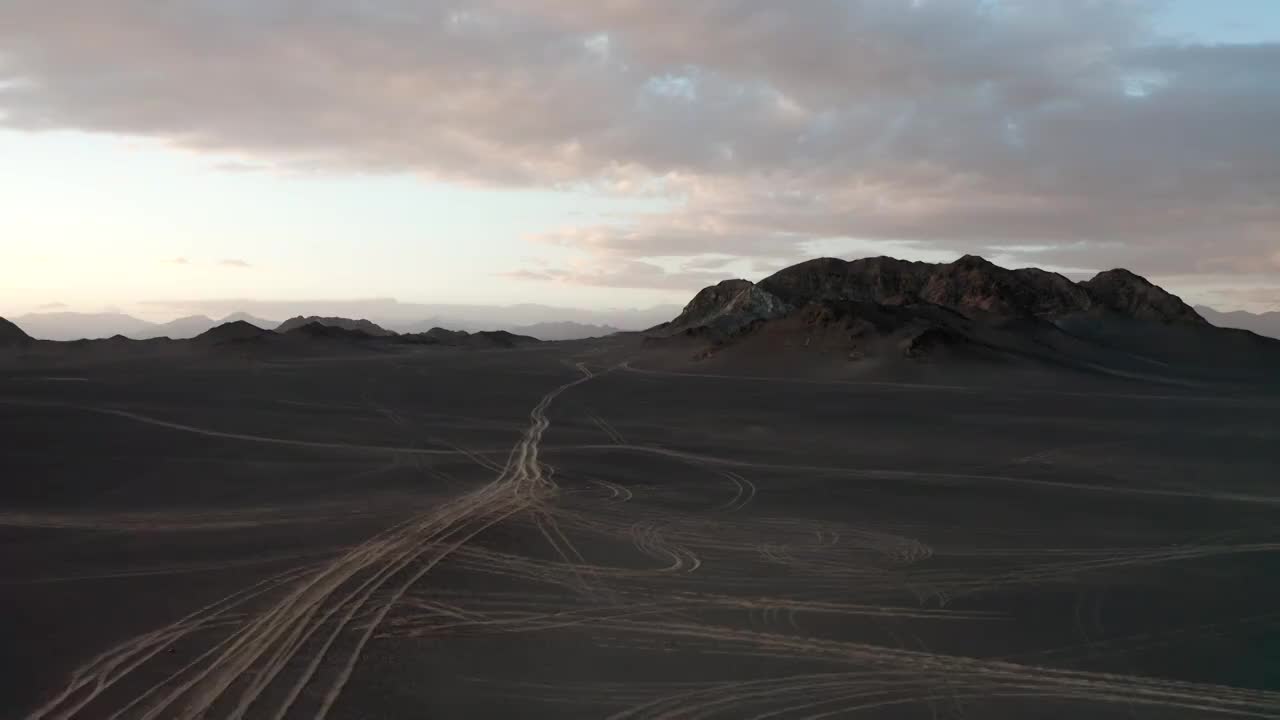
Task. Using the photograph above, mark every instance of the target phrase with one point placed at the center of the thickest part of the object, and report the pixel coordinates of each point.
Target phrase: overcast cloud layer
(1060, 132)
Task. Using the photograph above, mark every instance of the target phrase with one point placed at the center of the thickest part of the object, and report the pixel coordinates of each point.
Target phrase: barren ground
(557, 532)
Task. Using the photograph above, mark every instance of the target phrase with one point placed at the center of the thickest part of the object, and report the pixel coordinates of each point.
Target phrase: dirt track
(362, 538)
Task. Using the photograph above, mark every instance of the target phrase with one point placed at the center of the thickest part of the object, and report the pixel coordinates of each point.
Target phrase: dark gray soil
(589, 530)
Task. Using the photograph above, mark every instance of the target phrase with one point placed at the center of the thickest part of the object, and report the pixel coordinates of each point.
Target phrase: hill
(235, 331)
(365, 326)
(1267, 323)
(462, 338)
(251, 319)
(883, 313)
(11, 334)
(323, 331)
(180, 328)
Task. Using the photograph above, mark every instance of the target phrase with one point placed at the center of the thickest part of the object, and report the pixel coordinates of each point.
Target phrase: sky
(160, 158)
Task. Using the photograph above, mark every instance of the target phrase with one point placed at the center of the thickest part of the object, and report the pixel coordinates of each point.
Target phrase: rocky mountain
(364, 326)
(11, 334)
(731, 306)
(320, 330)
(974, 284)
(1136, 297)
(883, 308)
(1267, 323)
(970, 284)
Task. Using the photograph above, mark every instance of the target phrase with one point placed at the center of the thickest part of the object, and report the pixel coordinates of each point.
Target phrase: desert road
(564, 531)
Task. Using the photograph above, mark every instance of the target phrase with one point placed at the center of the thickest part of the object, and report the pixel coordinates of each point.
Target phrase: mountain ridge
(975, 284)
(882, 312)
(1265, 323)
(361, 325)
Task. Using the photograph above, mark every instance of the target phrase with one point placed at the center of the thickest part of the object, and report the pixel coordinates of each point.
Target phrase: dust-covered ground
(587, 530)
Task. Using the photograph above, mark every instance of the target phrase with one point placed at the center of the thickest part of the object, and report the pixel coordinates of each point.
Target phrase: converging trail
(296, 654)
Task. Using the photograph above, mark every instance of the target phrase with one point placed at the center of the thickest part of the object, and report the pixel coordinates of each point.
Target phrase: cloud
(180, 261)
(234, 263)
(1051, 131)
(623, 274)
(1256, 299)
(52, 306)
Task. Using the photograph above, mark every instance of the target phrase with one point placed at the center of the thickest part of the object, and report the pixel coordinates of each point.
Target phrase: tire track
(334, 595)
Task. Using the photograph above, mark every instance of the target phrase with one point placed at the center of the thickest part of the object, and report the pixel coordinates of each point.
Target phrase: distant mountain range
(77, 326)
(1267, 323)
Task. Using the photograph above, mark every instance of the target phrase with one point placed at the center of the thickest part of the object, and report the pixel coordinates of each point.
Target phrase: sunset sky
(624, 152)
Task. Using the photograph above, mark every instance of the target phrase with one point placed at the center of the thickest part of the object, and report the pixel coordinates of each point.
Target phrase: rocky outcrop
(727, 308)
(880, 305)
(1134, 296)
(882, 280)
(975, 284)
(970, 283)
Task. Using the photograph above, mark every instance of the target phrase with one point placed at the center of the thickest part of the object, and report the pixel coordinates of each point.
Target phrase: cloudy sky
(625, 152)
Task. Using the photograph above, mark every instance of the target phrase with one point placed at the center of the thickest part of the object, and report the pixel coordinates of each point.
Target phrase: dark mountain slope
(462, 338)
(235, 331)
(1136, 297)
(882, 311)
(11, 334)
(364, 326)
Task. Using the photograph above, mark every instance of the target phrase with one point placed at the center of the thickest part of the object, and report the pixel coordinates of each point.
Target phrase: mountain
(1136, 297)
(385, 317)
(884, 310)
(181, 328)
(975, 284)
(11, 334)
(326, 331)
(234, 331)
(364, 326)
(1267, 323)
(564, 330)
(462, 338)
(732, 306)
(969, 285)
(76, 326)
(251, 319)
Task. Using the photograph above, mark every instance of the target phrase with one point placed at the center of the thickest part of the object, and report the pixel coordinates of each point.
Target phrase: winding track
(288, 647)
(314, 616)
